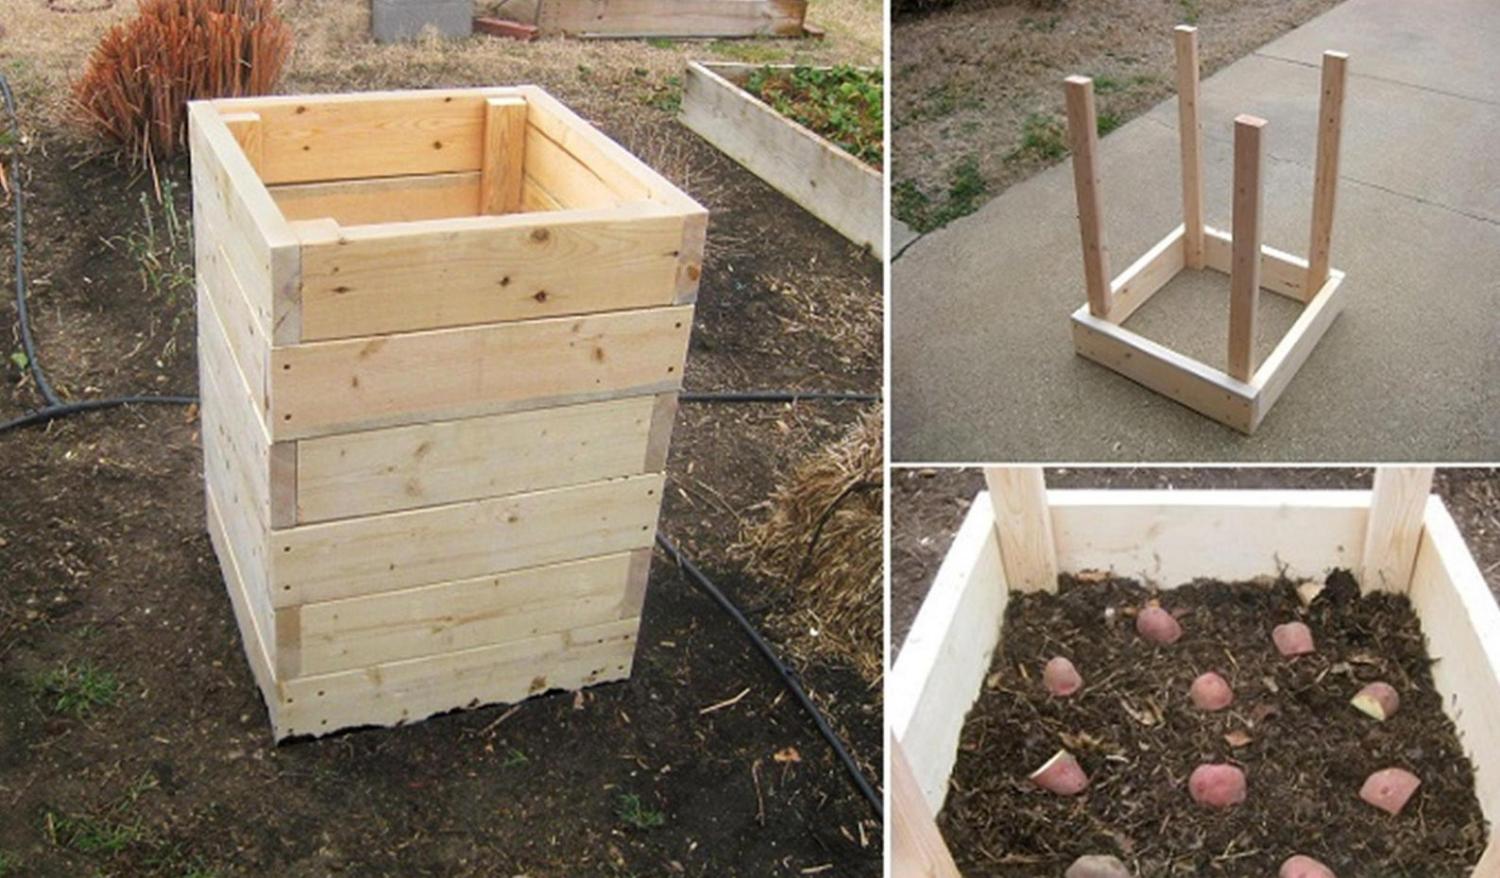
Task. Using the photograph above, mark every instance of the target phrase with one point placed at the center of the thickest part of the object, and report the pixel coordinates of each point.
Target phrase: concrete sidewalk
(982, 363)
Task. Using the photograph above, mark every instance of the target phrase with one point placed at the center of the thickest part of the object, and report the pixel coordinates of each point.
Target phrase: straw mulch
(821, 543)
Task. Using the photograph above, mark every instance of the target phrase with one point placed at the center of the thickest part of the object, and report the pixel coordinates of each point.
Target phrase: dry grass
(821, 543)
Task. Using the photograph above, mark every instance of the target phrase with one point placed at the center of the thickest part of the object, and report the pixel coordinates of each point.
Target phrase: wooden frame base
(1395, 537)
(1193, 383)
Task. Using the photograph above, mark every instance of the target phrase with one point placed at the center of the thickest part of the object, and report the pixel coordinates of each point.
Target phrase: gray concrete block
(399, 20)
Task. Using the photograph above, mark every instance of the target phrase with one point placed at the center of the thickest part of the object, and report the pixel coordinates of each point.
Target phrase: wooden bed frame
(1240, 395)
(1018, 536)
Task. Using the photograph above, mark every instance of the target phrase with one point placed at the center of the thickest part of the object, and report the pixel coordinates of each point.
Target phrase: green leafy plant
(515, 758)
(1043, 137)
(1107, 122)
(966, 189)
(842, 103)
(21, 360)
(77, 689)
(632, 812)
(93, 835)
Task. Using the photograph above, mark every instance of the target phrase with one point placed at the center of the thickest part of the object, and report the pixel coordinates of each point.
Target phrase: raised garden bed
(1417, 580)
(817, 173)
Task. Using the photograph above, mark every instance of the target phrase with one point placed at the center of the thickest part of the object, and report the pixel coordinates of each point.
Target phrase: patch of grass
(1107, 122)
(77, 689)
(1041, 25)
(1190, 10)
(841, 103)
(966, 188)
(1043, 137)
(1105, 84)
(9, 864)
(632, 812)
(666, 96)
(93, 836)
(660, 42)
(515, 758)
(748, 51)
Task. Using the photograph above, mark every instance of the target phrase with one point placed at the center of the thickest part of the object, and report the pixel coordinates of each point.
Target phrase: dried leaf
(787, 754)
(1237, 738)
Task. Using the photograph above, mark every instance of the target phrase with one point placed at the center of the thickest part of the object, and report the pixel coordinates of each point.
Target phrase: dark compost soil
(1138, 737)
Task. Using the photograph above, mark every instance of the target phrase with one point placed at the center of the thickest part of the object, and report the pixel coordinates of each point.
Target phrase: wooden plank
(488, 269)
(942, 665)
(534, 197)
(451, 616)
(249, 345)
(832, 185)
(1397, 505)
(1147, 275)
(571, 183)
(337, 386)
(1183, 379)
(1326, 171)
(252, 639)
(1244, 273)
(237, 425)
(406, 691)
(659, 439)
(503, 160)
(1167, 538)
(1462, 628)
(1280, 272)
(690, 257)
(672, 18)
(248, 133)
(917, 848)
(382, 199)
(361, 556)
(1023, 526)
(1273, 376)
(377, 471)
(1083, 137)
(1190, 141)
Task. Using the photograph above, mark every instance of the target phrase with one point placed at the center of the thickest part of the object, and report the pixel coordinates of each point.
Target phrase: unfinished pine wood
(565, 178)
(489, 268)
(231, 403)
(410, 690)
(1024, 526)
(248, 345)
(1297, 345)
(447, 617)
(1154, 270)
(248, 133)
(672, 18)
(942, 665)
(502, 162)
(1280, 272)
(377, 471)
(335, 386)
(917, 848)
(1190, 140)
(1182, 379)
(1326, 172)
(1083, 137)
(363, 556)
(252, 636)
(1244, 273)
(381, 199)
(1397, 505)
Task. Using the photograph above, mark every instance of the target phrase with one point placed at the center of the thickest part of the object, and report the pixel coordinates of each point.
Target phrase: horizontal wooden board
(376, 471)
(1138, 283)
(451, 616)
(407, 691)
(1167, 538)
(677, 18)
(1280, 272)
(334, 386)
(566, 179)
(382, 199)
(1297, 345)
(361, 556)
(402, 277)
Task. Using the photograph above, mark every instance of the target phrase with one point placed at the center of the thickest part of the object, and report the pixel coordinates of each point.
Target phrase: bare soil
(104, 558)
(1304, 750)
(976, 89)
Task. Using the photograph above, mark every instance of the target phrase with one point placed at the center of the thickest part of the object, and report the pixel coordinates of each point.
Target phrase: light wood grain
(1244, 273)
(503, 160)
(248, 133)
(1190, 142)
(1154, 270)
(917, 848)
(362, 556)
(1276, 373)
(1024, 526)
(381, 199)
(1326, 170)
(1280, 272)
(249, 346)
(337, 386)
(1083, 137)
(1397, 506)
(254, 639)
(677, 18)
(376, 471)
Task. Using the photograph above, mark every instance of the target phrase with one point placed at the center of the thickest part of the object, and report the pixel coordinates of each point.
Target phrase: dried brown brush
(144, 71)
(822, 543)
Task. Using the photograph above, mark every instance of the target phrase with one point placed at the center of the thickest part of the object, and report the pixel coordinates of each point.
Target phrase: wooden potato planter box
(1019, 536)
(440, 338)
(811, 170)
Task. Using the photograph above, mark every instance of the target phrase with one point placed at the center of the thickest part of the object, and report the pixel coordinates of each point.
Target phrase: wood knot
(541, 296)
(540, 236)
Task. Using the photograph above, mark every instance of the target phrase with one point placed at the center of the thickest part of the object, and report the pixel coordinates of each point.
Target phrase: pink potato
(1217, 786)
(1061, 678)
(1389, 789)
(1379, 700)
(1300, 866)
(1211, 692)
(1292, 639)
(1157, 625)
(1061, 774)
(1097, 866)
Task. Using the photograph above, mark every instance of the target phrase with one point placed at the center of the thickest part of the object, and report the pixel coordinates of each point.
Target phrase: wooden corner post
(1326, 173)
(1190, 137)
(1244, 269)
(1083, 137)
(1394, 530)
(502, 166)
(1023, 525)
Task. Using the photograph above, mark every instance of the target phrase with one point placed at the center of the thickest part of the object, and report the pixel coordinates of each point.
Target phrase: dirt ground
(105, 568)
(976, 89)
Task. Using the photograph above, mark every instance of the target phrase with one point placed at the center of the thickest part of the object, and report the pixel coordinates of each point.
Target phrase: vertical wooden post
(1394, 531)
(1083, 136)
(1023, 523)
(502, 163)
(917, 848)
(1244, 269)
(1190, 137)
(1326, 175)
